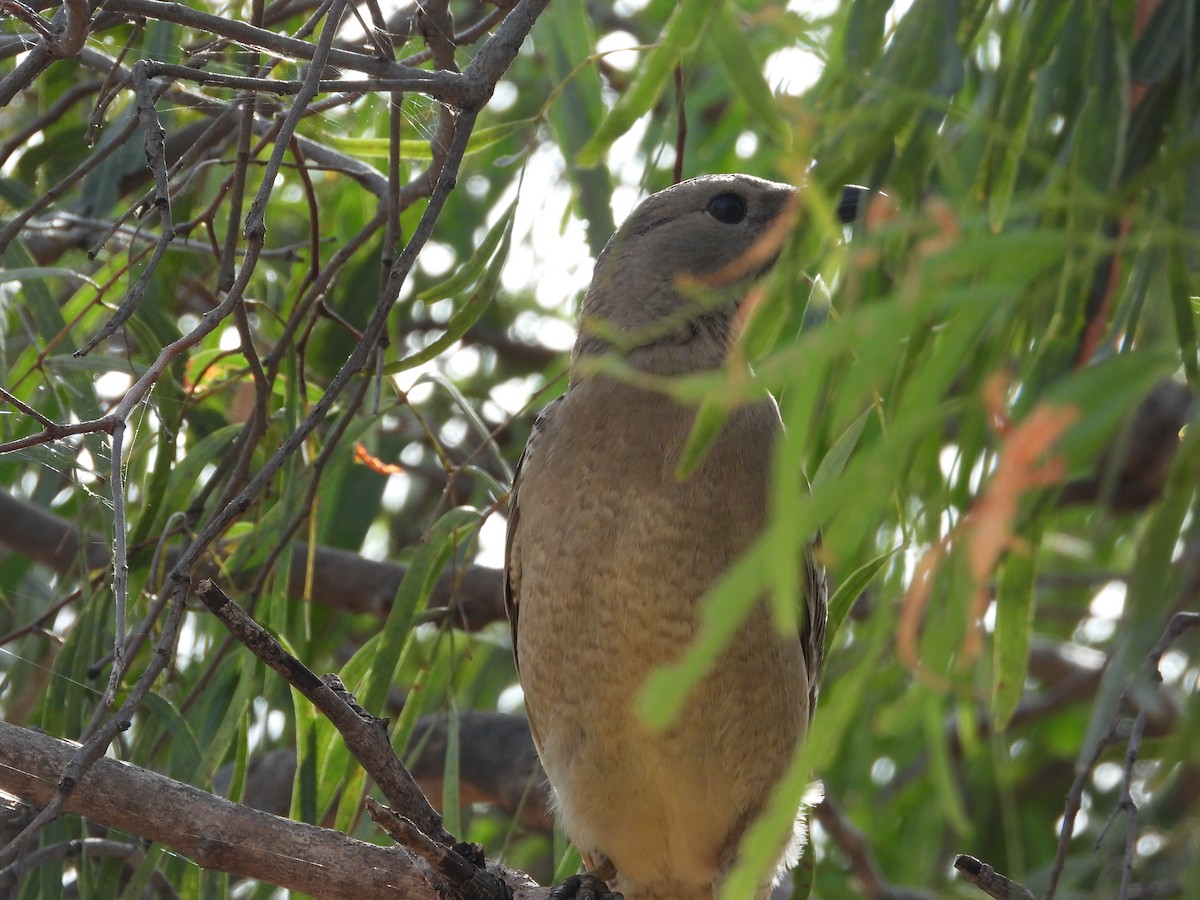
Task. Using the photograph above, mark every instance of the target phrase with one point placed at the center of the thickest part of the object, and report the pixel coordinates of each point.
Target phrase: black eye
(727, 208)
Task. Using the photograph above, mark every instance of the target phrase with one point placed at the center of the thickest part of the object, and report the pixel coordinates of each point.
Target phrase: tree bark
(221, 835)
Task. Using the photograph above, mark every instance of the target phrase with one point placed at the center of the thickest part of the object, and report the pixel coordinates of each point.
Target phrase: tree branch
(470, 596)
(215, 833)
(365, 735)
(229, 837)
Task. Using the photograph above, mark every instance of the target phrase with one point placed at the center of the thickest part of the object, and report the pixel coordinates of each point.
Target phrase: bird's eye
(727, 208)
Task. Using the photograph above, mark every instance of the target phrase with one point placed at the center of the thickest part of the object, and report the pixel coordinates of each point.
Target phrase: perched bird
(609, 553)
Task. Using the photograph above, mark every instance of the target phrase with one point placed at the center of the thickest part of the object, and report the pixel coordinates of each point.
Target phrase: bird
(609, 553)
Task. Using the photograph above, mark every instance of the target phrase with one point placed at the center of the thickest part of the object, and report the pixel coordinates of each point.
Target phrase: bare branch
(63, 38)
(365, 735)
(78, 763)
(465, 93)
(156, 160)
(54, 432)
(854, 843)
(469, 596)
(1178, 624)
(219, 835)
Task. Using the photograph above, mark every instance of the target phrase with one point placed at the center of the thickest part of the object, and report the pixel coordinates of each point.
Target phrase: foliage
(973, 342)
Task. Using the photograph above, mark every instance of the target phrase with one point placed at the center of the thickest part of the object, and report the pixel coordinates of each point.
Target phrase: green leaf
(471, 270)
(97, 364)
(30, 273)
(1015, 598)
(834, 460)
(426, 563)
(737, 59)
(849, 590)
(681, 33)
(575, 106)
(1166, 37)
(1185, 319)
(941, 768)
(710, 419)
(184, 760)
(419, 150)
(467, 315)
(1104, 393)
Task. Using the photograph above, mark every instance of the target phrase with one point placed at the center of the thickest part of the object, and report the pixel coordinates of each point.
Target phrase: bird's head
(667, 286)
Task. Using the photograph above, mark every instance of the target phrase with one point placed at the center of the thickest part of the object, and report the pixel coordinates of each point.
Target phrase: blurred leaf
(183, 759)
(1015, 609)
(1165, 39)
(576, 107)
(834, 460)
(468, 314)
(426, 564)
(1144, 613)
(420, 150)
(850, 590)
(683, 30)
(7, 275)
(734, 53)
(710, 419)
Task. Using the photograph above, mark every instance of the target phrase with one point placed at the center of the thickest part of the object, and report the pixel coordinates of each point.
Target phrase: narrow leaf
(418, 150)
(734, 53)
(682, 31)
(1014, 625)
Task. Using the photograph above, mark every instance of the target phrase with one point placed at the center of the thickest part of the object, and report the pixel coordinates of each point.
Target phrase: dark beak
(854, 198)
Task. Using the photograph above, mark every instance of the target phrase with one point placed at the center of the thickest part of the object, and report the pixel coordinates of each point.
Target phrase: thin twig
(420, 80)
(856, 847)
(317, 154)
(120, 562)
(66, 36)
(26, 408)
(442, 86)
(468, 877)
(155, 145)
(366, 736)
(54, 432)
(29, 16)
(1178, 624)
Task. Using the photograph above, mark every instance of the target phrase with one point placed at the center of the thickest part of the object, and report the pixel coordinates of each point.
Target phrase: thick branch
(225, 836)
(62, 39)
(471, 596)
(365, 736)
(215, 833)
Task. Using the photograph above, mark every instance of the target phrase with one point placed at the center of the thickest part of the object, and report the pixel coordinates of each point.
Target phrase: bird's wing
(512, 542)
(812, 636)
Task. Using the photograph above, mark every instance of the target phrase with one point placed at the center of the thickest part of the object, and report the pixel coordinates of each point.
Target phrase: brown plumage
(609, 553)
